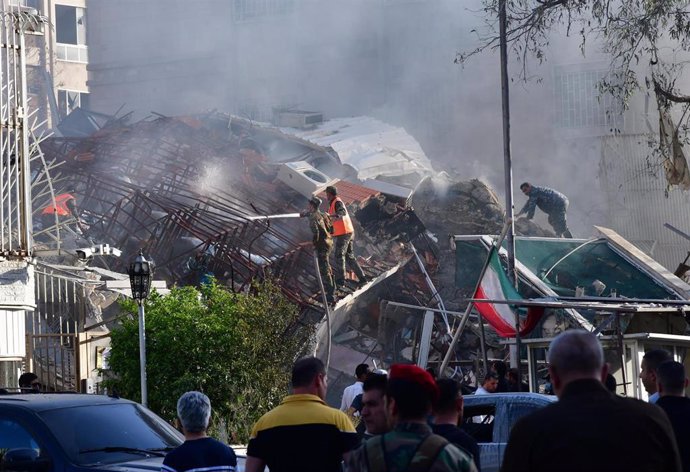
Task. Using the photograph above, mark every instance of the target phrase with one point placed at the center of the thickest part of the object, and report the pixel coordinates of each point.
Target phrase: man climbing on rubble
(321, 227)
(343, 233)
(549, 201)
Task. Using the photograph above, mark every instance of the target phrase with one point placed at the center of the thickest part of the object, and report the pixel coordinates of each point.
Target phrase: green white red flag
(495, 285)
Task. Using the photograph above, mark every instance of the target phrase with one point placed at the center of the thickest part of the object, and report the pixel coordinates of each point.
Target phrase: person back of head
(28, 381)
(671, 379)
(361, 372)
(194, 412)
(411, 394)
(575, 355)
(448, 409)
(500, 368)
(309, 377)
(315, 203)
(650, 362)
(375, 381)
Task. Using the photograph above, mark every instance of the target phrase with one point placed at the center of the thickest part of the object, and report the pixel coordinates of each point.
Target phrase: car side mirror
(24, 460)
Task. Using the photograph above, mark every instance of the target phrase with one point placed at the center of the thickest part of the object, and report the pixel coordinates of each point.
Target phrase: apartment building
(57, 60)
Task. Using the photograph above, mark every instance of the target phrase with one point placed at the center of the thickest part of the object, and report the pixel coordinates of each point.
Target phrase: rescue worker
(343, 233)
(549, 201)
(321, 228)
(65, 206)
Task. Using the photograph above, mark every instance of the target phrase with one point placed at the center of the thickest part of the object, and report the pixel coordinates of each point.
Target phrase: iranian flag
(496, 285)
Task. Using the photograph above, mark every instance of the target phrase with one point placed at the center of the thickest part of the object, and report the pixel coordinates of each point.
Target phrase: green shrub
(236, 348)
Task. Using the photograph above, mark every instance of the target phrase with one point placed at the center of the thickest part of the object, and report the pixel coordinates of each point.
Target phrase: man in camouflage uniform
(410, 446)
(321, 227)
(549, 201)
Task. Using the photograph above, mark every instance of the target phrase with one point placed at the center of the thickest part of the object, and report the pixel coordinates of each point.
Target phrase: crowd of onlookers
(406, 420)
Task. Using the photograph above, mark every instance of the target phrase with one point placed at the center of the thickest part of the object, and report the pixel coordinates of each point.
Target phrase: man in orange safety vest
(343, 234)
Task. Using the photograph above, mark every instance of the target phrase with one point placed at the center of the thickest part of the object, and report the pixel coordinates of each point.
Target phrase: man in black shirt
(589, 428)
(671, 383)
(448, 415)
(198, 452)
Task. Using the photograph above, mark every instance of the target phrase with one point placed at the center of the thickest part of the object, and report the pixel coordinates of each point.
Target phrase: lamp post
(140, 276)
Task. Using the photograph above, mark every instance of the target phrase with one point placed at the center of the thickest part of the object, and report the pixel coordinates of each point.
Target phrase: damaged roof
(607, 266)
(185, 189)
(371, 147)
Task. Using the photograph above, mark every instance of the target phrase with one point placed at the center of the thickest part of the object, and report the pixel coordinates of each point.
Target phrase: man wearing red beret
(411, 445)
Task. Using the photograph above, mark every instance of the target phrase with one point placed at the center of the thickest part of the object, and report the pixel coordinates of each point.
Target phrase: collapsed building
(195, 192)
(200, 195)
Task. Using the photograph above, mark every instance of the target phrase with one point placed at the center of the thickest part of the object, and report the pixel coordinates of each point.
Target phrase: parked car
(489, 419)
(80, 433)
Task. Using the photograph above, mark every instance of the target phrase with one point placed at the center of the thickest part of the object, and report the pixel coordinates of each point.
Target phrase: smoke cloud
(391, 59)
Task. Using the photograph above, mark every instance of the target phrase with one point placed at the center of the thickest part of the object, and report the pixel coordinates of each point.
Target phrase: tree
(646, 41)
(236, 348)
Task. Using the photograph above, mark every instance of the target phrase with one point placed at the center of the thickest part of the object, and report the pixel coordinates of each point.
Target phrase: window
(247, 10)
(37, 4)
(70, 32)
(68, 100)
(580, 104)
(478, 422)
(84, 431)
(14, 436)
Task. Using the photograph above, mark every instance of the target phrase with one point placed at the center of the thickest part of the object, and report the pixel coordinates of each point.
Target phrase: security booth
(622, 353)
(603, 285)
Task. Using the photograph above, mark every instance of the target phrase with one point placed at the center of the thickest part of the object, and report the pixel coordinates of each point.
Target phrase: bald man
(589, 428)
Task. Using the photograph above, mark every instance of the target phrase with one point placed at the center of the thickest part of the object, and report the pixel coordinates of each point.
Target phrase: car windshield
(104, 434)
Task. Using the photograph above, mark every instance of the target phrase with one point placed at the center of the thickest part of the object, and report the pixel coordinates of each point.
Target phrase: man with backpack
(410, 446)
(321, 228)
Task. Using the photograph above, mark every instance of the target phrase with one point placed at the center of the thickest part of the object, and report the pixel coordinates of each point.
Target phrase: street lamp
(140, 276)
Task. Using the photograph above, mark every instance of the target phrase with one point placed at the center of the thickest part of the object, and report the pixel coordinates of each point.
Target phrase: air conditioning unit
(304, 178)
(296, 118)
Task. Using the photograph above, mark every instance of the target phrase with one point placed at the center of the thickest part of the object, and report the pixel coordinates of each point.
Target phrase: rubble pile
(188, 191)
(191, 192)
(468, 207)
(449, 208)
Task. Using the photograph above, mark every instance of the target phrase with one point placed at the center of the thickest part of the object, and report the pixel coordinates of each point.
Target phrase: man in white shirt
(489, 385)
(355, 389)
(651, 360)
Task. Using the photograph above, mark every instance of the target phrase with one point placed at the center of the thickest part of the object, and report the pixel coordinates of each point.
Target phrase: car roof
(55, 401)
(513, 396)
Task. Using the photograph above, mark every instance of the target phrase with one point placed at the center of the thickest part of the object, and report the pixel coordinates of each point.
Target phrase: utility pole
(507, 163)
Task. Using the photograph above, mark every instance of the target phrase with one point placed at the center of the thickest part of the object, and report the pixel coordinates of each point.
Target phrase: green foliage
(646, 42)
(236, 348)
(644, 33)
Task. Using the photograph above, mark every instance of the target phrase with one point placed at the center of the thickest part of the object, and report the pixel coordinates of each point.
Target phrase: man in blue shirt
(198, 452)
(549, 201)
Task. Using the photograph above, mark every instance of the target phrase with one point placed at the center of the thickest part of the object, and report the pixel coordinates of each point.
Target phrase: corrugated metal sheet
(12, 333)
(638, 200)
(350, 193)
(373, 148)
